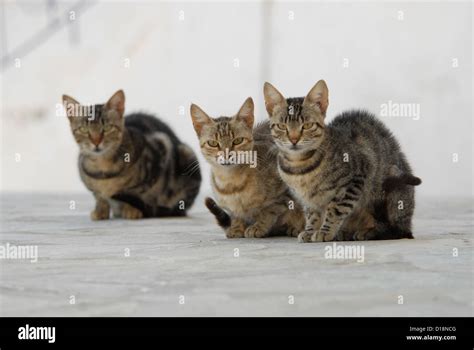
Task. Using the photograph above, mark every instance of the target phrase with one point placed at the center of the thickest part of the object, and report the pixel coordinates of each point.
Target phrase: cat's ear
(318, 96)
(273, 98)
(199, 117)
(245, 112)
(70, 105)
(117, 102)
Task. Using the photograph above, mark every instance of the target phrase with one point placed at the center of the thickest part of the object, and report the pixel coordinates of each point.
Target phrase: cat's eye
(107, 127)
(307, 126)
(281, 126)
(83, 129)
(213, 143)
(238, 141)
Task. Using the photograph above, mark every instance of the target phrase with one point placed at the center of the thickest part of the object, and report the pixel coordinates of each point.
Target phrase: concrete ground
(186, 266)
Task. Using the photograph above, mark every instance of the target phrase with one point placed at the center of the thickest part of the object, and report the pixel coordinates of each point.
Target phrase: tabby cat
(134, 165)
(350, 169)
(257, 200)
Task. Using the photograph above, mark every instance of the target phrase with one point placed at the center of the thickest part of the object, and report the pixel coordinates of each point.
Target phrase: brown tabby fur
(257, 200)
(134, 165)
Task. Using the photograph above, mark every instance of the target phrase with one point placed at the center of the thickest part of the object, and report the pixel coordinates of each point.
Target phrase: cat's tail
(223, 219)
(398, 178)
(393, 182)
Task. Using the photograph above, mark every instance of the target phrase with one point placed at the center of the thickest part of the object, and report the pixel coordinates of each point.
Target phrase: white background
(174, 62)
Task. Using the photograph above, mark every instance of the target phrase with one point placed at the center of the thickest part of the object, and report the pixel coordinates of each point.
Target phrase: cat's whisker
(191, 165)
(192, 171)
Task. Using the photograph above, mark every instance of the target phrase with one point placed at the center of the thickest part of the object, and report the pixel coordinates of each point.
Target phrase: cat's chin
(226, 166)
(95, 152)
(294, 149)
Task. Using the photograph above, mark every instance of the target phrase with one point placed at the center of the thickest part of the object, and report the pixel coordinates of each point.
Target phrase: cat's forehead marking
(294, 108)
(223, 127)
(98, 114)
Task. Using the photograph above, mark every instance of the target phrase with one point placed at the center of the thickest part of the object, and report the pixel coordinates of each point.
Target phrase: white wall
(175, 62)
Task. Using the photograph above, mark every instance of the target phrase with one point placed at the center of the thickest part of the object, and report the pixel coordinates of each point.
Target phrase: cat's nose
(96, 139)
(294, 139)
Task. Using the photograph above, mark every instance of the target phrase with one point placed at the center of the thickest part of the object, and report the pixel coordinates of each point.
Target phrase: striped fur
(350, 174)
(252, 202)
(134, 165)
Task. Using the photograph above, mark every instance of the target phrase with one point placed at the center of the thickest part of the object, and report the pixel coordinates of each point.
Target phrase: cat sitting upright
(351, 169)
(134, 165)
(257, 201)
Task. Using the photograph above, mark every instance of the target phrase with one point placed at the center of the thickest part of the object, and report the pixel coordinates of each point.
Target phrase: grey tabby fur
(348, 169)
(135, 164)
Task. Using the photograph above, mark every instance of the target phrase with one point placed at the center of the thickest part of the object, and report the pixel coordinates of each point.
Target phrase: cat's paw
(319, 236)
(292, 232)
(365, 235)
(360, 236)
(131, 213)
(305, 236)
(100, 215)
(255, 231)
(235, 232)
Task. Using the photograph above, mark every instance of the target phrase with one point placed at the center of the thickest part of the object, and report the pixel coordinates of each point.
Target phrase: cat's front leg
(236, 229)
(130, 212)
(124, 210)
(312, 223)
(264, 221)
(102, 209)
(261, 228)
(336, 212)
